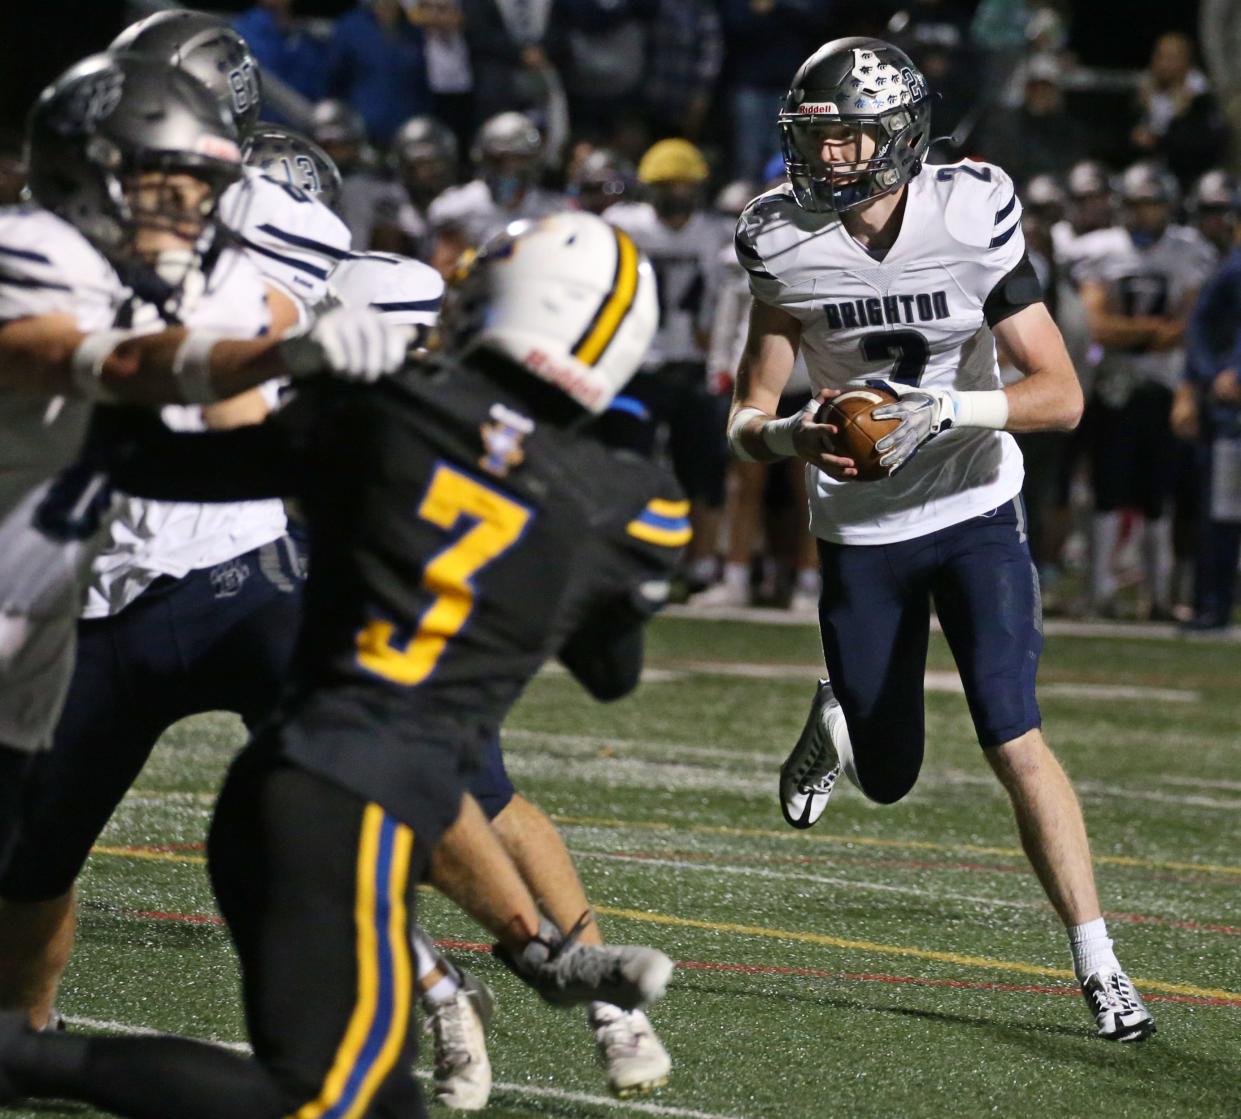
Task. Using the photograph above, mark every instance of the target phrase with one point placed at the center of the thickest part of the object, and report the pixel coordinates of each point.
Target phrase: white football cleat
(635, 1059)
(1118, 1009)
(723, 594)
(810, 771)
(458, 1027)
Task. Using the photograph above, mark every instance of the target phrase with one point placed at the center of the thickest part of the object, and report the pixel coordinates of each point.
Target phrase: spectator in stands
(1177, 118)
(449, 74)
(935, 34)
(1207, 410)
(765, 42)
(512, 44)
(1038, 137)
(605, 60)
(285, 50)
(377, 64)
(683, 64)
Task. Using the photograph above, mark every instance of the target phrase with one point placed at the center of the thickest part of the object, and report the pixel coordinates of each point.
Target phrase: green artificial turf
(890, 962)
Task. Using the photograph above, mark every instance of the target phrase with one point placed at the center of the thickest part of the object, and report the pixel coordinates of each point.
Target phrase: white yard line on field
(799, 876)
(935, 681)
(1053, 627)
(642, 1107)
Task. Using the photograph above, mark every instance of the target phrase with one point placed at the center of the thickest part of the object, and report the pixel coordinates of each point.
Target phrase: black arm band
(1015, 292)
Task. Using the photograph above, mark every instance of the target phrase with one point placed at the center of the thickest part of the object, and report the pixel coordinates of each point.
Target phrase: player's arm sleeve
(764, 285)
(1017, 289)
(145, 458)
(604, 651)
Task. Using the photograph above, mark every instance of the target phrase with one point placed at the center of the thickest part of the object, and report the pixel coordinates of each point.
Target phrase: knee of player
(889, 777)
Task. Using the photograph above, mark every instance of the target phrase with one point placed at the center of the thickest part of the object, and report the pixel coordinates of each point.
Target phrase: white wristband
(988, 408)
(739, 421)
(192, 367)
(86, 364)
(778, 434)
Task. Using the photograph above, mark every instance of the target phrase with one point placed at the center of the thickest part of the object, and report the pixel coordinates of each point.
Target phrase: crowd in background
(450, 118)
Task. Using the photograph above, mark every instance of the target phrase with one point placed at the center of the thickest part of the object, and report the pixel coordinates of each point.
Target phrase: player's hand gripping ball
(857, 433)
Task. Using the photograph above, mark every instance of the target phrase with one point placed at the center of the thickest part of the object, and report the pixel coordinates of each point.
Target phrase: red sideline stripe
(768, 969)
(1167, 922)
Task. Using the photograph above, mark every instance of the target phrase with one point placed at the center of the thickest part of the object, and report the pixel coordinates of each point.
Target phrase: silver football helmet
(113, 117)
(208, 48)
(424, 156)
(506, 152)
(861, 88)
(289, 157)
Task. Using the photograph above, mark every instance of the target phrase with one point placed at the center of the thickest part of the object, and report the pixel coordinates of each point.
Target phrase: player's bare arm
(765, 366)
(1111, 329)
(1049, 396)
(48, 354)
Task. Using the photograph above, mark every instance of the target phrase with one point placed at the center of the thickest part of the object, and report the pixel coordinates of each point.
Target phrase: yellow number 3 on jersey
(498, 524)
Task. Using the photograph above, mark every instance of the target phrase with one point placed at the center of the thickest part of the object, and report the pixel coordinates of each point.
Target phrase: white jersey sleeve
(294, 240)
(400, 288)
(48, 267)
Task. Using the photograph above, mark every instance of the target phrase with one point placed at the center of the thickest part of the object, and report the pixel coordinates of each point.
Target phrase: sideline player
(873, 266)
(446, 515)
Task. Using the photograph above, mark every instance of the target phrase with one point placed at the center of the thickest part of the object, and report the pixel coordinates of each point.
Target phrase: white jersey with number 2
(919, 316)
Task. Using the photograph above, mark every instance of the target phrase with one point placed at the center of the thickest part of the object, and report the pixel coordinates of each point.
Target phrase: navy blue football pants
(875, 620)
(219, 639)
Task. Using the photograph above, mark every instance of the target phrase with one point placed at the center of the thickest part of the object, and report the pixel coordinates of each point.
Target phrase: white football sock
(839, 731)
(1092, 948)
(1157, 560)
(808, 580)
(1104, 533)
(737, 575)
(427, 960)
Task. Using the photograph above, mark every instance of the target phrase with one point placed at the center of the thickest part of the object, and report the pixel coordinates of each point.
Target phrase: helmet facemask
(887, 151)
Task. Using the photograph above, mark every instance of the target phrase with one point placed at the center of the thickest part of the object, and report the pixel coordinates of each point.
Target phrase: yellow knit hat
(673, 161)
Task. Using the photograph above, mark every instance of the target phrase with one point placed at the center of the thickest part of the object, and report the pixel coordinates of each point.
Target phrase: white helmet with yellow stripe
(569, 297)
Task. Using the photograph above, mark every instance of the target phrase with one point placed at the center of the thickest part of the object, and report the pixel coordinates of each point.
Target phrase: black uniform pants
(317, 887)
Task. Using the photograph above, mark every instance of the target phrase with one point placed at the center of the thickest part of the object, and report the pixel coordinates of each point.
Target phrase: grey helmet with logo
(867, 85)
(1215, 190)
(289, 157)
(111, 117)
(208, 48)
(506, 152)
(336, 122)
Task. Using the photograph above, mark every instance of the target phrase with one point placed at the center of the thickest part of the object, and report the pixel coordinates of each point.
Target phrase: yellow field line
(824, 940)
(820, 939)
(147, 853)
(868, 841)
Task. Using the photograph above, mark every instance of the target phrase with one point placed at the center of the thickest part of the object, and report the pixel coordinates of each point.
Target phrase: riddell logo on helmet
(581, 387)
(819, 107)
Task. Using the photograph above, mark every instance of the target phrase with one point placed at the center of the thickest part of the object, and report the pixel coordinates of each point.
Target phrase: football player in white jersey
(136, 154)
(683, 238)
(874, 267)
(1139, 281)
(293, 238)
(507, 154)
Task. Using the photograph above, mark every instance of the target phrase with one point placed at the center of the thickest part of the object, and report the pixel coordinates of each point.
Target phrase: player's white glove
(357, 344)
(924, 414)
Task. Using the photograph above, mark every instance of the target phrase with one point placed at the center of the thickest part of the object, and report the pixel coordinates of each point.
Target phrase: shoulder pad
(981, 207)
(401, 288)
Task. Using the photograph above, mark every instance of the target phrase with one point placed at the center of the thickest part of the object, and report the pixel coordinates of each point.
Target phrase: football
(857, 432)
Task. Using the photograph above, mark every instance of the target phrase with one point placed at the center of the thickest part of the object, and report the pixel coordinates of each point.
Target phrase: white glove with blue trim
(924, 414)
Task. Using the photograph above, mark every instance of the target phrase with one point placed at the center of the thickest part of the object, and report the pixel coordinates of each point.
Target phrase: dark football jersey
(456, 541)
